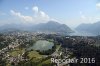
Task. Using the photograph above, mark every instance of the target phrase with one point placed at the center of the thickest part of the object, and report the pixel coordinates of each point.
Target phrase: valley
(34, 49)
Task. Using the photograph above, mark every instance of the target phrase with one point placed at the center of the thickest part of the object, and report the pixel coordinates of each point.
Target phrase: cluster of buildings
(13, 41)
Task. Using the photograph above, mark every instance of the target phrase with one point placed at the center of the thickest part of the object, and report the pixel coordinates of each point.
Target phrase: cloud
(98, 5)
(35, 9)
(22, 17)
(39, 13)
(89, 19)
(39, 16)
(82, 15)
(43, 15)
(85, 18)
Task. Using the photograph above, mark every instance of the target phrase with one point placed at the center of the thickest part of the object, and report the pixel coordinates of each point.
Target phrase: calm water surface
(42, 45)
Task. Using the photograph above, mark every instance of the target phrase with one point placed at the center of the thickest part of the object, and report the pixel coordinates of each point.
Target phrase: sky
(69, 12)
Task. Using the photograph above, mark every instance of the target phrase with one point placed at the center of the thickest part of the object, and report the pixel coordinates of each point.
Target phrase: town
(15, 49)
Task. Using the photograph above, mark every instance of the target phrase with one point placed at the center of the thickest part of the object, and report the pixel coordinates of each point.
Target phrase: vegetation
(16, 52)
(15, 47)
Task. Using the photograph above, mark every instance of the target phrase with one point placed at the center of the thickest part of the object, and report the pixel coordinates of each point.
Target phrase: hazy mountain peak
(50, 26)
(90, 28)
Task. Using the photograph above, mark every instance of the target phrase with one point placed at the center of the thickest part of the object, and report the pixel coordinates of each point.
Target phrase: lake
(42, 45)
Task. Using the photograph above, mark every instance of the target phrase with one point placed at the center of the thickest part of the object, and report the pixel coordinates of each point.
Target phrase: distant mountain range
(90, 28)
(50, 26)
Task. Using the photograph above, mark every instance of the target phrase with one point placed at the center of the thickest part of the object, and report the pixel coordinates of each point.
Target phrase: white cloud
(35, 9)
(82, 15)
(88, 19)
(43, 15)
(39, 13)
(98, 5)
(39, 16)
(22, 17)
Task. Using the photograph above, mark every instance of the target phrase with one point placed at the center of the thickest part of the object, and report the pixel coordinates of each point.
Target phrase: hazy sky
(69, 12)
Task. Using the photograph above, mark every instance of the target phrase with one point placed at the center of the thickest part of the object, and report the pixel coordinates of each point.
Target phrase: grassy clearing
(15, 53)
(48, 61)
(34, 54)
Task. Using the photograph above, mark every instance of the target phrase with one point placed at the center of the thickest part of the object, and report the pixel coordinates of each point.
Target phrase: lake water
(42, 45)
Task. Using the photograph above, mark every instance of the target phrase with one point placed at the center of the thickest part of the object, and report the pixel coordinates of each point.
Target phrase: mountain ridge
(91, 28)
(50, 26)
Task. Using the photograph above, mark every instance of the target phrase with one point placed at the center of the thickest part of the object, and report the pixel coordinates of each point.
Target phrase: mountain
(50, 26)
(90, 28)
